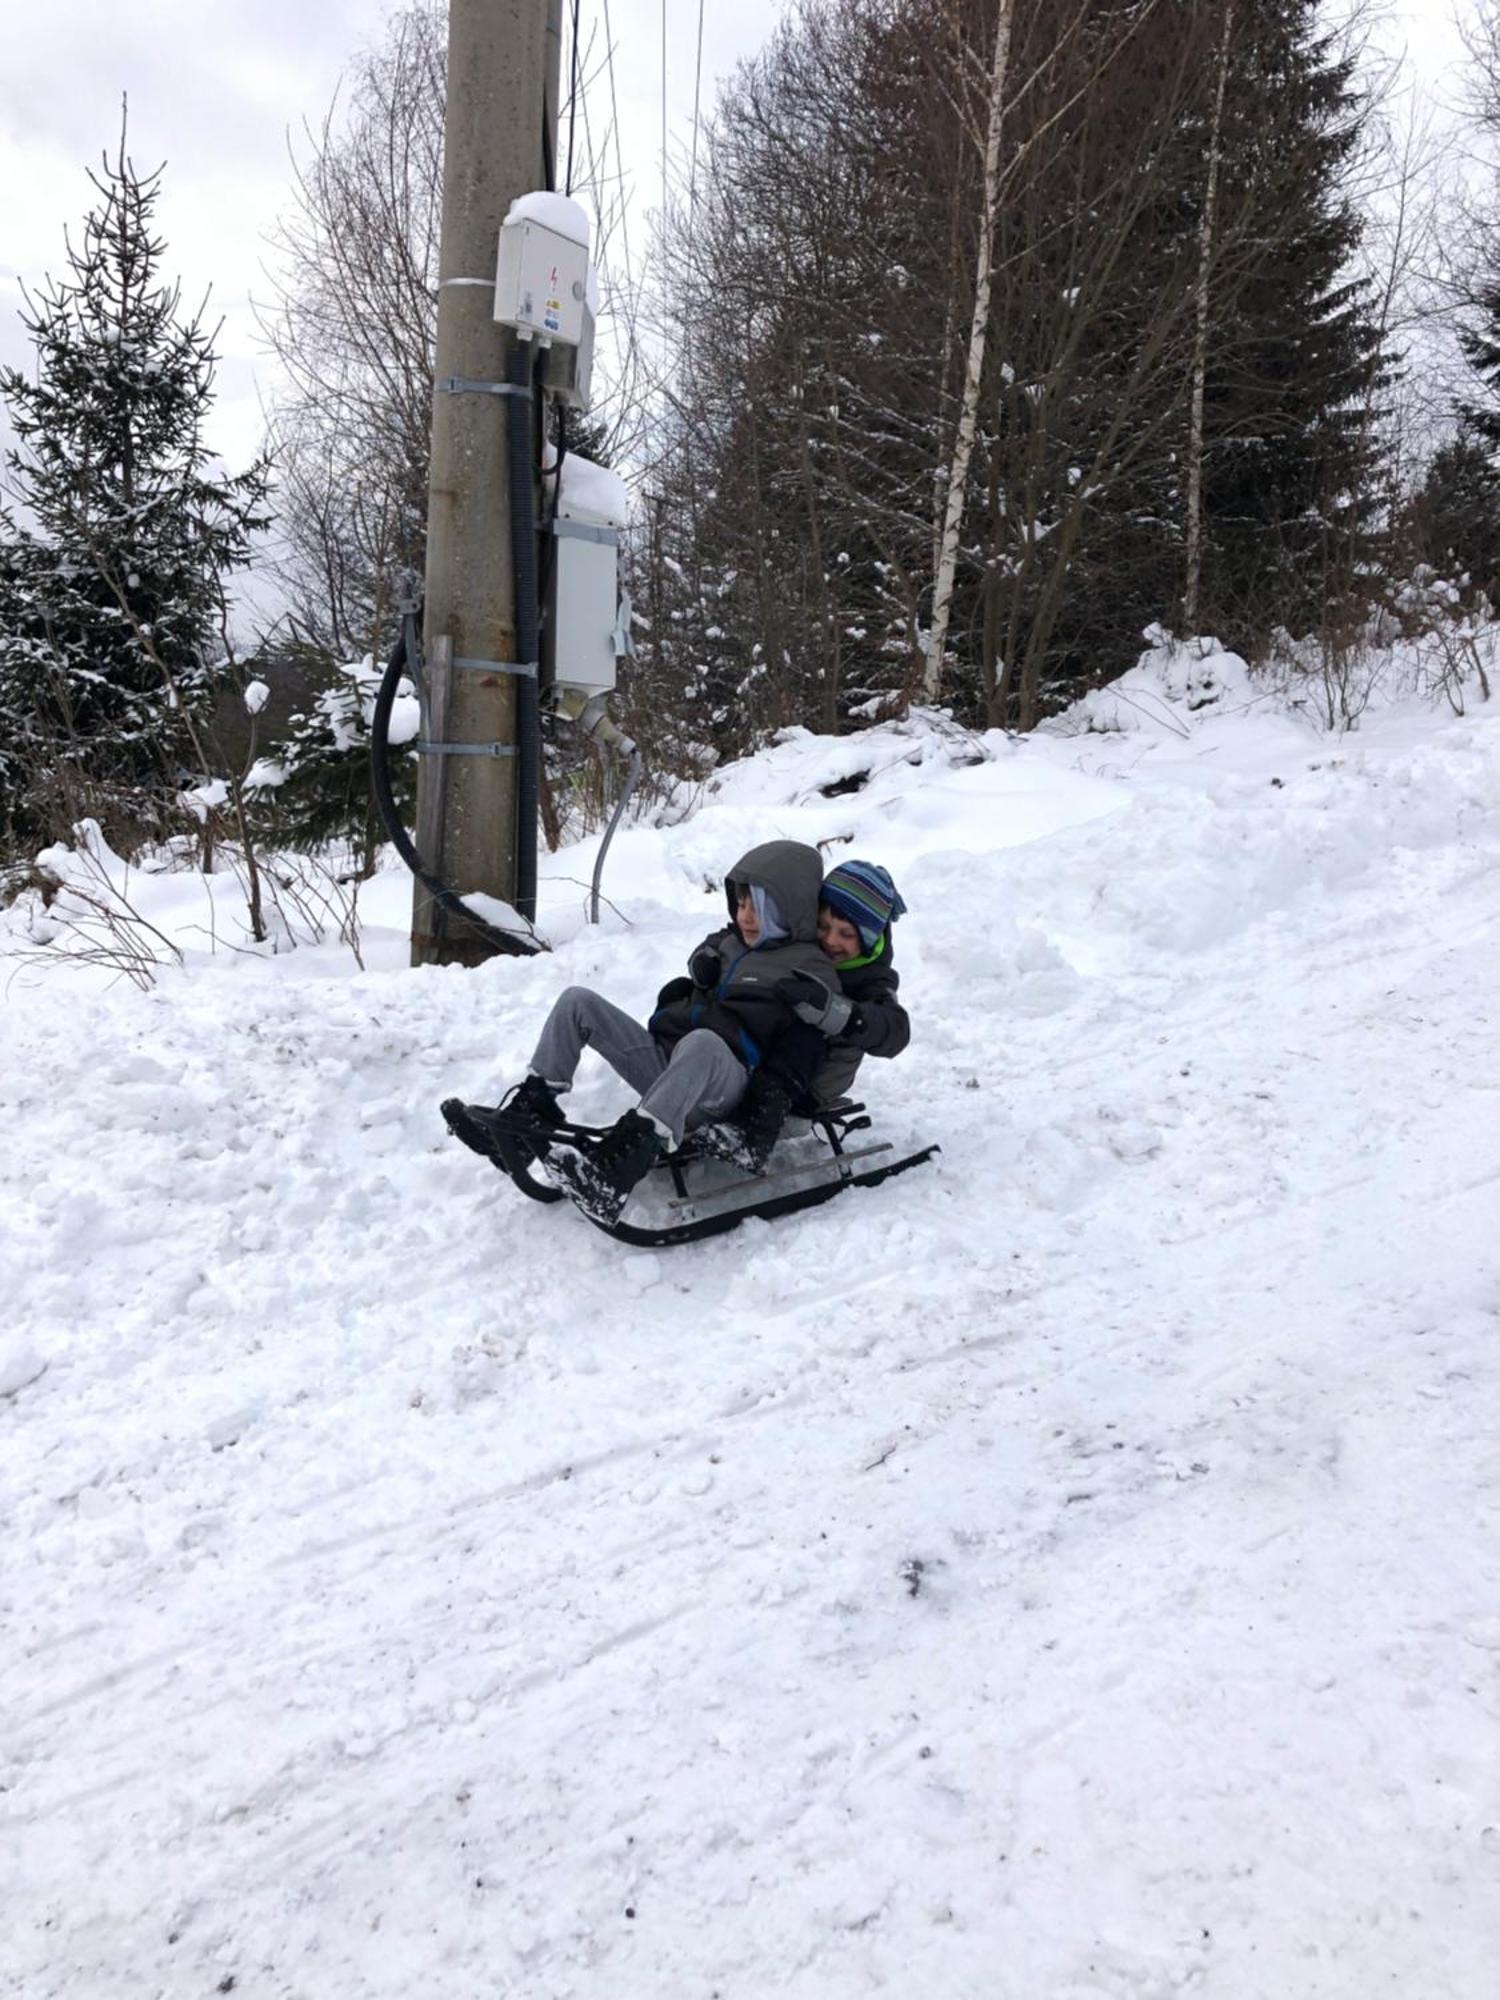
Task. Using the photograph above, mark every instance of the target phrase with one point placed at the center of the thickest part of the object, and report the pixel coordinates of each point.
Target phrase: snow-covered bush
(314, 790)
(1173, 681)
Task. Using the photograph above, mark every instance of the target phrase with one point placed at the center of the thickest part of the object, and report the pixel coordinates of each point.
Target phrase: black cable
(515, 943)
(522, 470)
(548, 538)
(572, 99)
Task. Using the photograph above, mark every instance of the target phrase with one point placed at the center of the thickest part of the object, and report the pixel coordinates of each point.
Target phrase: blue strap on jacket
(749, 1048)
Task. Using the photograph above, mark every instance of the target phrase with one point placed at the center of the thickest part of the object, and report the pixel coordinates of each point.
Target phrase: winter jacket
(879, 1026)
(743, 1006)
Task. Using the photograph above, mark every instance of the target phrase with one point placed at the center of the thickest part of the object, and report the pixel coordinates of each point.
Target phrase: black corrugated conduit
(525, 373)
(403, 658)
(521, 459)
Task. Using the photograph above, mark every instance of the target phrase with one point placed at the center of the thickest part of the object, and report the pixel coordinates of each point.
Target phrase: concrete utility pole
(503, 58)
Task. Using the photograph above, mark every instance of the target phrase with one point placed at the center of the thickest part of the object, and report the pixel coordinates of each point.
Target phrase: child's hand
(705, 967)
(811, 1001)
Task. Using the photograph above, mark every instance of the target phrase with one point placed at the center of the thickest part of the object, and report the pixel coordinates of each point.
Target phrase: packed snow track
(1069, 1572)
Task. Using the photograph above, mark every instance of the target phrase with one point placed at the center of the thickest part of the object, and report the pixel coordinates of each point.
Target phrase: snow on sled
(820, 1174)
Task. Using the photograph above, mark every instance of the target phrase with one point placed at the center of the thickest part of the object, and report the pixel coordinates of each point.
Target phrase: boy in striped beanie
(857, 905)
(861, 896)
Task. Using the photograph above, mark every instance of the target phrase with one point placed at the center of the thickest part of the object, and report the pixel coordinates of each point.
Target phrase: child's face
(837, 935)
(746, 921)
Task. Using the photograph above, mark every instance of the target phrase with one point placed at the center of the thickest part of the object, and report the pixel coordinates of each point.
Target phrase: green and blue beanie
(863, 893)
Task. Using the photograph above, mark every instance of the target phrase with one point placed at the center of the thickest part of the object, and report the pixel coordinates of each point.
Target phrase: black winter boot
(528, 1112)
(762, 1113)
(600, 1178)
(532, 1103)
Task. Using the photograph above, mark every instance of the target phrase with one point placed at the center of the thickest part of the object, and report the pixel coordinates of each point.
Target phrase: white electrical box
(583, 600)
(542, 274)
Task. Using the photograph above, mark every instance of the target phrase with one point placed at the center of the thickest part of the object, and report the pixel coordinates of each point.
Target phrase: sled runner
(521, 1150)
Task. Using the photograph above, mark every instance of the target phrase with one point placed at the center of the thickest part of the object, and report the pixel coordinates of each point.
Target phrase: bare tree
(353, 327)
(1194, 522)
(354, 315)
(979, 324)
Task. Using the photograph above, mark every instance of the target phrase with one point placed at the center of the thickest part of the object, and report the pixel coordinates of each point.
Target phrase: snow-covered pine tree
(112, 578)
(1453, 520)
(1294, 480)
(1480, 340)
(315, 792)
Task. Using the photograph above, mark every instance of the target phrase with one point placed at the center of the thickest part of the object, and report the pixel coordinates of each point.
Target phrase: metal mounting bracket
(494, 666)
(461, 385)
(468, 749)
(583, 531)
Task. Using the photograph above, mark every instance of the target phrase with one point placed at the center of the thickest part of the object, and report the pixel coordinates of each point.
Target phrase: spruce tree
(112, 581)
(1458, 509)
(1294, 475)
(324, 795)
(1453, 521)
(1481, 345)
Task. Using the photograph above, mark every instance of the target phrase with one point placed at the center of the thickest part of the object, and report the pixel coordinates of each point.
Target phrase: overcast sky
(216, 86)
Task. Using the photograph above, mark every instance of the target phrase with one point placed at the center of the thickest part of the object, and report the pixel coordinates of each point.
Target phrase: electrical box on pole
(542, 270)
(504, 353)
(546, 289)
(582, 634)
(501, 88)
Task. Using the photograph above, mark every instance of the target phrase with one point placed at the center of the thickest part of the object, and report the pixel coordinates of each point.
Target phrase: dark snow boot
(532, 1104)
(524, 1115)
(762, 1113)
(601, 1177)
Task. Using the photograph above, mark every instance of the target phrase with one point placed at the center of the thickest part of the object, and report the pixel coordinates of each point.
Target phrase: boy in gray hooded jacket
(693, 1060)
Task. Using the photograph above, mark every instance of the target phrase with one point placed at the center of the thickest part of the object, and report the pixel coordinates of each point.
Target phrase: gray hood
(793, 873)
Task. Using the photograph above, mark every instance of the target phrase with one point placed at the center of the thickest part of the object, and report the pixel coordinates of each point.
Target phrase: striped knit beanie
(864, 893)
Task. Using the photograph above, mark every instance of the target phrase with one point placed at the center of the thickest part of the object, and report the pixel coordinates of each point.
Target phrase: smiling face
(837, 935)
(746, 921)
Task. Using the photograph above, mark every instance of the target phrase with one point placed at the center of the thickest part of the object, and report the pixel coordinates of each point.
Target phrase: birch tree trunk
(1193, 537)
(968, 416)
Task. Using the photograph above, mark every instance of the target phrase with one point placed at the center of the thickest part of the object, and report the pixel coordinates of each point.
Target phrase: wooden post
(501, 62)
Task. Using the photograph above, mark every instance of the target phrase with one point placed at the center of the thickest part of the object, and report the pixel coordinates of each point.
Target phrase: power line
(697, 94)
(624, 299)
(572, 98)
(614, 119)
(663, 106)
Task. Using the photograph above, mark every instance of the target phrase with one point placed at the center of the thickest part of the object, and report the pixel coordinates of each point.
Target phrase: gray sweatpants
(693, 1083)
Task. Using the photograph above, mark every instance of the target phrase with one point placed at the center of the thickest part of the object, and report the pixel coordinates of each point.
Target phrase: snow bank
(1048, 1561)
(1175, 685)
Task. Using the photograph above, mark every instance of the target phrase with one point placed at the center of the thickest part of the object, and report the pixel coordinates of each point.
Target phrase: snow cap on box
(863, 893)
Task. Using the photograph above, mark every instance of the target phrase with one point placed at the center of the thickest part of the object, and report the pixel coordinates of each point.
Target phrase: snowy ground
(1068, 1572)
